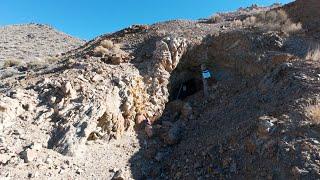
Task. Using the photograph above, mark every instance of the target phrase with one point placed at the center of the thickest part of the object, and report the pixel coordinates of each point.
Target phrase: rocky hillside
(33, 42)
(112, 108)
(307, 13)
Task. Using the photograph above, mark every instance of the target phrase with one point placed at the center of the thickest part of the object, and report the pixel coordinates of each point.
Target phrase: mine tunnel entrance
(186, 88)
(185, 80)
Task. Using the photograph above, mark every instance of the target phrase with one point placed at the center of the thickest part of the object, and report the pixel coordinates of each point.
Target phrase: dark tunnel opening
(185, 89)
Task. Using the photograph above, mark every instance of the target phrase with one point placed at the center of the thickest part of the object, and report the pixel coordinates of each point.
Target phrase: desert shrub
(107, 47)
(290, 27)
(237, 23)
(100, 51)
(116, 47)
(51, 59)
(11, 63)
(107, 44)
(38, 63)
(215, 19)
(110, 52)
(313, 53)
(35, 64)
(250, 21)
(314, 113)
(275, 20)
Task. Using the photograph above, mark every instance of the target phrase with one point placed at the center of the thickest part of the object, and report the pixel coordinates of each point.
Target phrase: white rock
(4, 158)
(36, 146)
(48, 160)
(29, 155)
(69, 91)
(97, 78)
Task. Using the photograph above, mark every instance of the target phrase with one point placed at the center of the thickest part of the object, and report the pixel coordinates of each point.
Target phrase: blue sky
(88, 18)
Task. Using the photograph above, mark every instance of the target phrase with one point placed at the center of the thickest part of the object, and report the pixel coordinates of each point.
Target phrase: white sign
(206, 74)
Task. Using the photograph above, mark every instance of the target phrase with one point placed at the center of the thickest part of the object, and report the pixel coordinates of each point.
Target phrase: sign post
(205, 75)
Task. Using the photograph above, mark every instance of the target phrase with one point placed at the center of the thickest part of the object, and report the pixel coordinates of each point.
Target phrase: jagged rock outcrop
(10, 110)
(85, 107)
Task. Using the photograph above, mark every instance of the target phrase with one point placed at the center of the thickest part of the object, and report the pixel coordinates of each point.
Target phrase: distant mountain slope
(31, 41)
